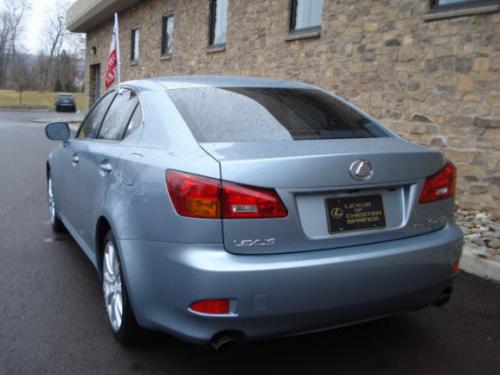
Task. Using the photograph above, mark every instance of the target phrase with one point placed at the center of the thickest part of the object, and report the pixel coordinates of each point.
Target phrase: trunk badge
(361, 170)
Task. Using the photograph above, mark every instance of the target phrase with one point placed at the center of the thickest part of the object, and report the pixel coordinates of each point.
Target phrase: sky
(33, 27)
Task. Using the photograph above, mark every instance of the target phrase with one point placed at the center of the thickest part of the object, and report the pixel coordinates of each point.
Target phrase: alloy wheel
(51, 201)
(112, 286)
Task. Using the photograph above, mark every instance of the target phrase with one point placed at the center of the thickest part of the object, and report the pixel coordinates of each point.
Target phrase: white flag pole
(118, 52)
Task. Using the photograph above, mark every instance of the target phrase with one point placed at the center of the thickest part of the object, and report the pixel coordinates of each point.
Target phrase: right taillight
(440, 185)
(208, 198)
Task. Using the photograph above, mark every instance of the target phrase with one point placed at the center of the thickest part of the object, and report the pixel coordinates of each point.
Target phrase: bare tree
(54, 37)
(11, 21)
(22, 75)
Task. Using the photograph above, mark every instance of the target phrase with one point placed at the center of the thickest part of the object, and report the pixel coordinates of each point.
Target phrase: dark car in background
(65, 102)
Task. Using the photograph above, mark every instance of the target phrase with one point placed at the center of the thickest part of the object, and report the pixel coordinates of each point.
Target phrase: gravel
(481, 232)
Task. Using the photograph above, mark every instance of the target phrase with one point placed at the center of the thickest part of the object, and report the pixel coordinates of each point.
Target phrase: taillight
(440, 185)
(194, 196)
(208, 198)
(242, 202)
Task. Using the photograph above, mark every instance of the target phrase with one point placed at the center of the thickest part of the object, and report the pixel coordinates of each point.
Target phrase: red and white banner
(113, 70)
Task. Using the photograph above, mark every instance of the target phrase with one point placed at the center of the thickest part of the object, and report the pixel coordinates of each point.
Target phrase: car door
(100, 160)
(75, 187)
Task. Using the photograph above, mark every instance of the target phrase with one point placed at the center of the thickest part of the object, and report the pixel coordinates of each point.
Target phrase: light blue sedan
(225, 209)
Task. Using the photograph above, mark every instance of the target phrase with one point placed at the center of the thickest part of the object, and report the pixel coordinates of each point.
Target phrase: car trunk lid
(310, 175)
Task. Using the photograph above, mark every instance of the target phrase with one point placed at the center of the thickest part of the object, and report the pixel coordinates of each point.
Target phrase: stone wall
(437, 83)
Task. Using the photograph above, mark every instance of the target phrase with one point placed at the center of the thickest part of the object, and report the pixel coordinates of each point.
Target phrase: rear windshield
(268, 114)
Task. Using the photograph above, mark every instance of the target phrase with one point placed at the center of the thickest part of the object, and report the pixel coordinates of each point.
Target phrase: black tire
(127, 333)
(55, 222)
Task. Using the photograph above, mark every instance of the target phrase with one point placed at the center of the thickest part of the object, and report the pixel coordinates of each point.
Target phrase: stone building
(429, 69)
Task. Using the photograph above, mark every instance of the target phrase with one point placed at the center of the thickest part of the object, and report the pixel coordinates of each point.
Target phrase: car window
(91, 124)
(242, 114)
(135, 121)
(118, 116)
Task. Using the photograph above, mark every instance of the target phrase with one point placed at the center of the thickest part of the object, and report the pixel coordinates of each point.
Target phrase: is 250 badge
(255, 243)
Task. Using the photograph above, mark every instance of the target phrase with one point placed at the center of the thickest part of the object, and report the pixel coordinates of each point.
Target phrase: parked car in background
(65, 102)
(224, 209)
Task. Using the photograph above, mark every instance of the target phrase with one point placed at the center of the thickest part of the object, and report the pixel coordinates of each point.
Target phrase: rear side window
(269, 114)
(119, 115)
(135, 121)
(90, 126)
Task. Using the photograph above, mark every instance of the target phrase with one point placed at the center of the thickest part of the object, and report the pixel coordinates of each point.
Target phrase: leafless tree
(11, 22)
(22, 75)
(54, 37)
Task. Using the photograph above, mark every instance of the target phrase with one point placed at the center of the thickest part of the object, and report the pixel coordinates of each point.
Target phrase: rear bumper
(66, 107)
(285, 294)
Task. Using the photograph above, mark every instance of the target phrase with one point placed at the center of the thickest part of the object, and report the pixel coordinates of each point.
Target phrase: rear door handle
(106, 168)
(75, 159)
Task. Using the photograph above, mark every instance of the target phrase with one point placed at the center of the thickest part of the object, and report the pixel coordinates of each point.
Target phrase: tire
(56, 223)
(124, 327)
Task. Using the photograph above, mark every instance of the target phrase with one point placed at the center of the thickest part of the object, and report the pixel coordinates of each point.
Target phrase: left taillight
(194, 196)
(208, 198)
(440, 185)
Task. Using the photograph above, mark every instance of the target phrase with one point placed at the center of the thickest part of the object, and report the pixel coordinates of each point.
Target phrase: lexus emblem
(361, 170)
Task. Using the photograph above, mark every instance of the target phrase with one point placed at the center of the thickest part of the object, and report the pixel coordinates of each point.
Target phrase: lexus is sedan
(228, 209)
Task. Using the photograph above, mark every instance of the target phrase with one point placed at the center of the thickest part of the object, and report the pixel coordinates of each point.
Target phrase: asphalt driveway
(52, 319)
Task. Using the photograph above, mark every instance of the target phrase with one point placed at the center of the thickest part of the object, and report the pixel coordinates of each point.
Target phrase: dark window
(119, 115)
(135, 47)
(444, 4)
(135, 121)
(306, 15)
(218, 22)
(167, 34)
(269, 114)
(90, 126)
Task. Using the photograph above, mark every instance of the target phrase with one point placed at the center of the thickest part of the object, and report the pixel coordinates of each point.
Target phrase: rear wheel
(118, 309)
(56, 223)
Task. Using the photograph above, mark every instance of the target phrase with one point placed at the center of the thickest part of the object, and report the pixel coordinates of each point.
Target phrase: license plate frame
(355, 214)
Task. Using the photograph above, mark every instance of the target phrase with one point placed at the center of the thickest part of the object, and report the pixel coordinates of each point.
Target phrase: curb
(27, 109)
(482, 267)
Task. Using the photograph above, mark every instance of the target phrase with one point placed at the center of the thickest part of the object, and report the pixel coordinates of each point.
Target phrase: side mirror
(58, 131)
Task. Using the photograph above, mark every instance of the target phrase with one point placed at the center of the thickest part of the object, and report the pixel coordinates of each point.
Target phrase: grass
(33, 99)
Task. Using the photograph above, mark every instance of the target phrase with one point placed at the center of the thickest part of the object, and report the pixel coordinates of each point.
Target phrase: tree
(54, 37)
(11, 22)
(22, 75)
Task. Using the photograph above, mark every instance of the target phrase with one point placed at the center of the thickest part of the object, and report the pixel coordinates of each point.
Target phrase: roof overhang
(85, 15)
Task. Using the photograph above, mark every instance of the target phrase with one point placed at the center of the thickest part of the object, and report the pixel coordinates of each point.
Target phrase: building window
(306, 15)
(167, 34)
(443, 4)
(218, 22)
(135, 47)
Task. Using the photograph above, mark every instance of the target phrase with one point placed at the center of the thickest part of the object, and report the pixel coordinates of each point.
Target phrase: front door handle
(75, 159)
(106, 168)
